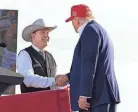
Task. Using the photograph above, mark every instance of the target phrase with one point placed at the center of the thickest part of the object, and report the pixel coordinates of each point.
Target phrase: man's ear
(78, 22)
(32, 36)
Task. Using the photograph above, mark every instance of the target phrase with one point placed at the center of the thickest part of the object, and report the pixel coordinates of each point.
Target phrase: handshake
(61, 80)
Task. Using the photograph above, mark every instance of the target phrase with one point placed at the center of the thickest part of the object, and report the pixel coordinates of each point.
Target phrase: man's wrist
(53, 81)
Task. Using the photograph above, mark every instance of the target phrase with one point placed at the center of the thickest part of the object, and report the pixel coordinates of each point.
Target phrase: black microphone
(2, 44)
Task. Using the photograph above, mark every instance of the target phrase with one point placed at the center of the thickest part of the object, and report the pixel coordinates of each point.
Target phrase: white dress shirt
(81, 28)
(24, 67)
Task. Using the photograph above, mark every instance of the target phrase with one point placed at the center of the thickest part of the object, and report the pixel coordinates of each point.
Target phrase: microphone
(2, 44)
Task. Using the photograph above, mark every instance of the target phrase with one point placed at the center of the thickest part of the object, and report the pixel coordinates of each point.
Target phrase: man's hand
(61, 80)
(83, 104)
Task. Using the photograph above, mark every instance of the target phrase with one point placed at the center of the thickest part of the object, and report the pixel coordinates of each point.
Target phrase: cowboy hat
(37, 25)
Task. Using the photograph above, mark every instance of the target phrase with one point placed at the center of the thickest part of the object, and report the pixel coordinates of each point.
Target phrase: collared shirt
(38, 50)
(24, 67)
(81, 28)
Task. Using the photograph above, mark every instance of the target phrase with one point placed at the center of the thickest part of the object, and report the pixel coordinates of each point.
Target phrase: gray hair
(83, 20)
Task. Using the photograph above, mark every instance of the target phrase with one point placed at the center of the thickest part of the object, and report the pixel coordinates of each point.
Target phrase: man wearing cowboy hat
(37, 65)
(93, 85)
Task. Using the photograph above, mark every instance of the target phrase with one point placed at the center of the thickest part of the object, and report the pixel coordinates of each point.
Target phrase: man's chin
(76, 31)
(46, 44)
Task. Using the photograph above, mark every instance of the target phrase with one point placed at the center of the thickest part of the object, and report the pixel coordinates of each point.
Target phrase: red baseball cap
(81, 11)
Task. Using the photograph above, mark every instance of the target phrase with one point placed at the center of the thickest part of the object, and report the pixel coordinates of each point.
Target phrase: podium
(8, 78)
(43, 101)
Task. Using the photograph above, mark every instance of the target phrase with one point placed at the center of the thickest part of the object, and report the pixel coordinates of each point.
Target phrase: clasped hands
(61, 80)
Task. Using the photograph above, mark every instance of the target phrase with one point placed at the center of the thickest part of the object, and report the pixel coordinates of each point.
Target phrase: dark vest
(37, 59)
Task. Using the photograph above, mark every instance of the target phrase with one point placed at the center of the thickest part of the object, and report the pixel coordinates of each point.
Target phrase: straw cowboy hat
(37, 25)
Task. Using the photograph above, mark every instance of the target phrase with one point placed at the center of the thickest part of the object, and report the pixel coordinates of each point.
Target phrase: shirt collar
(81, 28)
(36, 48)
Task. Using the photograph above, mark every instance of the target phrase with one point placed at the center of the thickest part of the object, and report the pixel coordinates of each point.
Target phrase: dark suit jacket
(92, 71)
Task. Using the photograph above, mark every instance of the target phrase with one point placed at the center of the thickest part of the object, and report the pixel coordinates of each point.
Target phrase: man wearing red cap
(93, 85)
